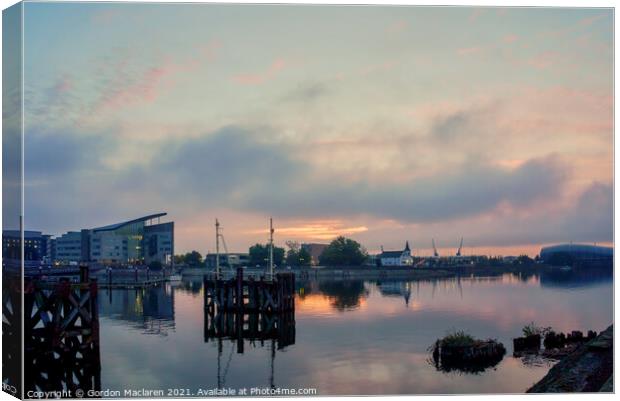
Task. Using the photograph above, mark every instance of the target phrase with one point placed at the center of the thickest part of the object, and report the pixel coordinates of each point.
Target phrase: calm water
(351, 337)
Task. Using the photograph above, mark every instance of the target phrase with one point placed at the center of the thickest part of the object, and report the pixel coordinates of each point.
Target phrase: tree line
(340, 252)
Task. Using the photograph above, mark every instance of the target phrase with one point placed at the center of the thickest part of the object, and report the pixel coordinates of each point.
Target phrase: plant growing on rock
(533, 330)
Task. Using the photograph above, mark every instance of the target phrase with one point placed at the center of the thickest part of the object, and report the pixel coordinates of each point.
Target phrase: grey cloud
(230, 162)
(242, 168)
(60, 153)
(308, 92)
(471, 191)
(592, 219)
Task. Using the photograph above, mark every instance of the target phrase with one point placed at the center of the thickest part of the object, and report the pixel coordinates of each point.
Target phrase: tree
(524, 260)
(193, 259)
(304, 257)
(259, 255)
(297, 256)
(155, 265)
(343, 252)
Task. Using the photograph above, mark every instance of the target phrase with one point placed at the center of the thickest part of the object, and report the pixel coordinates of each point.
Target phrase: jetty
(61, 332)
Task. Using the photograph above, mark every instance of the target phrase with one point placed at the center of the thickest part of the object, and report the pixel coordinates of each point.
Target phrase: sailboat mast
(271, 247)
(217, 248)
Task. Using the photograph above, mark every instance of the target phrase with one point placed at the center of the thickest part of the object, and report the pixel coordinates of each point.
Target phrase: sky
(383, 124)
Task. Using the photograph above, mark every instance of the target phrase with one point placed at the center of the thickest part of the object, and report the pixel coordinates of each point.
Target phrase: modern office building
(71, 247)
(139, 241)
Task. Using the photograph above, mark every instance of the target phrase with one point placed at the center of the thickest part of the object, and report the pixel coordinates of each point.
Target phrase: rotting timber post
(61, 335)
(247, 309)
(250, 295)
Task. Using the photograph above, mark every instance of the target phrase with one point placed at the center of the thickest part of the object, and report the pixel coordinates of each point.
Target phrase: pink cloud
(271, 72)
(63, 85)
(590, 20)
(510, 38)
(127, 87)
(397, 27)
(543, 60)
(143, 87)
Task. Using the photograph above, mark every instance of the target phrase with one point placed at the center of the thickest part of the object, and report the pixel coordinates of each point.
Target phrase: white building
(396, 258)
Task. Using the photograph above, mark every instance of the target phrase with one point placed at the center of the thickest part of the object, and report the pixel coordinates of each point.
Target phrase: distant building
(396, 258)
(37, 247)
(139, 241)
(581, 253)
(69, 248)
(228, 260)
(315, 251)
(372, 260)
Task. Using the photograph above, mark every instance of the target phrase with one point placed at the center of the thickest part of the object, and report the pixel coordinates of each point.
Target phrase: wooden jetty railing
(61, 335)
(251, 295)
(254, 310)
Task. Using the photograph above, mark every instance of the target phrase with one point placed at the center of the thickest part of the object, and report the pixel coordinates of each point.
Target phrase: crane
(458, 252)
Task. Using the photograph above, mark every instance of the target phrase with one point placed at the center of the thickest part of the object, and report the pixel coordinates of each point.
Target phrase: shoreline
(391, 272)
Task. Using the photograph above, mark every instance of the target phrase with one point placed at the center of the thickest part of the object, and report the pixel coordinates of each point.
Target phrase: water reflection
(576, 277)
(149, 310)
(343, 327)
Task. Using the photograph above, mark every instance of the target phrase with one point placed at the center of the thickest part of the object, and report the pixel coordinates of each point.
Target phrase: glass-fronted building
(140, 241)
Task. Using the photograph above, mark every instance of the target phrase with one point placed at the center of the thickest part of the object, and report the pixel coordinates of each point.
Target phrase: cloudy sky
(384, 124)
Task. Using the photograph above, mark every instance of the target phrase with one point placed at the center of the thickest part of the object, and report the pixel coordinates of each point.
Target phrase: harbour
(319, 337)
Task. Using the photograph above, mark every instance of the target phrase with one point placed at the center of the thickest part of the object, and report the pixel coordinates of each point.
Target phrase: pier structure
(262, 295)
(250, 309)
(61, 333)
(259, 311)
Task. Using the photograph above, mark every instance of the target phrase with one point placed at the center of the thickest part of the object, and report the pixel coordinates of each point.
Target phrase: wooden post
(240, 289)
(83, 273)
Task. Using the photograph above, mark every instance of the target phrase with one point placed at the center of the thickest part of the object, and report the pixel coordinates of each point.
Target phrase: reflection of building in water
(149, 309)
(396, 289)
(576, 277)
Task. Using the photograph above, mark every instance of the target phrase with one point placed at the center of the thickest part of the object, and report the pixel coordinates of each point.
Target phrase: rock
(526, 343)
(588, 368)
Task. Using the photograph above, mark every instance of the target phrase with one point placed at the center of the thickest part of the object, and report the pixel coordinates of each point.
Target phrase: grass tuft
(458, 339)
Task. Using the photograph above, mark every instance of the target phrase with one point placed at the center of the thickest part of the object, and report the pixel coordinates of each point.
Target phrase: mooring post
(83, 273)
(147, 273)
(109, 276)
(240, 289)
(135, 270)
